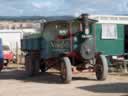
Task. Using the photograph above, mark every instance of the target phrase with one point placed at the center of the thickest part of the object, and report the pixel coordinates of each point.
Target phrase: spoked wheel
(66, 70)
(101, 67)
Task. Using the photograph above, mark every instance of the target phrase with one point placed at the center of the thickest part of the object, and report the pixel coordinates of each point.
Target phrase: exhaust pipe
(85, 24)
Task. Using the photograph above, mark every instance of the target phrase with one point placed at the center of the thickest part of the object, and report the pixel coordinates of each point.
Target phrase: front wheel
(66, 70)
(101, 67)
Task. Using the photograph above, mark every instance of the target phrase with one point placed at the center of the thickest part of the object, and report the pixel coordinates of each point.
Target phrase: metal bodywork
(110, 46)
(53, 44)
(67, 41)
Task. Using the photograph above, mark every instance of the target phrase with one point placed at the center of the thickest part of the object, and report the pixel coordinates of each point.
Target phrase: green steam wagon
(66, 43)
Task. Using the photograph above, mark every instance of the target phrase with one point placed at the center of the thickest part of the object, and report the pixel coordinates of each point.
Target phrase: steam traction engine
(67, 44)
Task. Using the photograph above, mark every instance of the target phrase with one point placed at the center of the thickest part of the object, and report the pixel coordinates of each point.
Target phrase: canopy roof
(64, 18)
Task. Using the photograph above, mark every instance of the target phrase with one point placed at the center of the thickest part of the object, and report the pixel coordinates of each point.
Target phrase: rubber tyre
(35, 66)
(101, 67)
(66, 70)
(28, 65)
(31, 65)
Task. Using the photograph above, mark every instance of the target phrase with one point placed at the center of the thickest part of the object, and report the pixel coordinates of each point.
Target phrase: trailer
(112, 39)
(66, 43)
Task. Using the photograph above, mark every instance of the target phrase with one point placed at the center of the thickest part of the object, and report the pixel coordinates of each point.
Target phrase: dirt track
(13, 82)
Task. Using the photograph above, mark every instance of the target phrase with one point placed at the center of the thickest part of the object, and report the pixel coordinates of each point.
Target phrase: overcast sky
(61, 7)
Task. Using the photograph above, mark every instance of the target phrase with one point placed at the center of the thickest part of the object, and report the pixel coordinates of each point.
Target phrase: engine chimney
(85, 25)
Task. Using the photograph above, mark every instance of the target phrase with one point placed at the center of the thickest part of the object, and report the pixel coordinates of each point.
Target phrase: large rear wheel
(35, 66)
(31, 65)
(66, 70)
(101, 67)
(28, 67)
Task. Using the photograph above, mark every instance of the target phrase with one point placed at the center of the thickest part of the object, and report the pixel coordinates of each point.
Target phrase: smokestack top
(85, 14)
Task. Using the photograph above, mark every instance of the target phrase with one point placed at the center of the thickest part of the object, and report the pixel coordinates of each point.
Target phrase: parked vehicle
(1, 56)
(67, 44)
(112, 38)
(8, 55)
